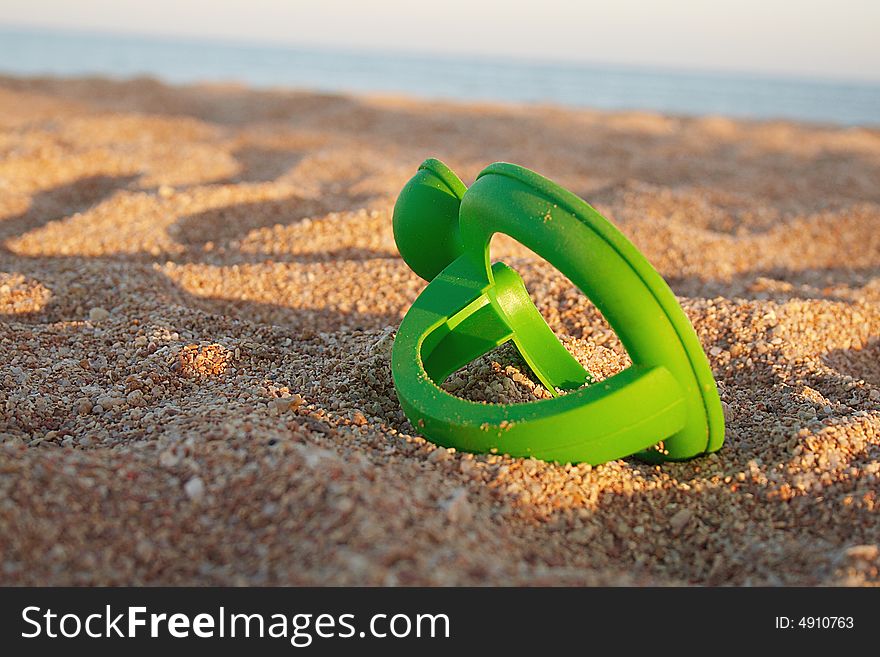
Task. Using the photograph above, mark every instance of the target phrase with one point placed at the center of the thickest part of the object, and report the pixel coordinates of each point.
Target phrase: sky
(832, 39)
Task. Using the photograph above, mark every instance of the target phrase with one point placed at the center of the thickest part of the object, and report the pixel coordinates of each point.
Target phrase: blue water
(27, 52)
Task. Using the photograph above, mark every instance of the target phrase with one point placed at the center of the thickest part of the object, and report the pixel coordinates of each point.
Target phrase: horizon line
(573, 62)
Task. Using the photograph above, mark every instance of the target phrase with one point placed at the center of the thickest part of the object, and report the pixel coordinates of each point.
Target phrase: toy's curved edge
(446, 175)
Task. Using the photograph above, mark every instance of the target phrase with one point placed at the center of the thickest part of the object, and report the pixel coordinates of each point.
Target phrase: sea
(31, 52)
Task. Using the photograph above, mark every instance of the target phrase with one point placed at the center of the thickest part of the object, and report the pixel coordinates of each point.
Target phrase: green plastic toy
(664, 407)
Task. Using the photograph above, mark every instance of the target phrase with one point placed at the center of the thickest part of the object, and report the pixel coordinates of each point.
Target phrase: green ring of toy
(443, 231)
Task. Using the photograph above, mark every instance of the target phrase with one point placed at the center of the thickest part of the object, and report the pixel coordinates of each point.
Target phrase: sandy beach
(199, 290)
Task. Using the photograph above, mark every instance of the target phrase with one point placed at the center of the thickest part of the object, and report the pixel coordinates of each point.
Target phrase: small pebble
(98, 314)
(681, 518)
(195, 489)
(281, 404)
(863, 552)
(458, 508)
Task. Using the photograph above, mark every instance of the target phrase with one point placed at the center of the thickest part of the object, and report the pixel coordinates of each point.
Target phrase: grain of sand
(198, 294)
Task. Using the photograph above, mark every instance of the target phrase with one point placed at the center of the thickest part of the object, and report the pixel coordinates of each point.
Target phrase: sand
(198, 294)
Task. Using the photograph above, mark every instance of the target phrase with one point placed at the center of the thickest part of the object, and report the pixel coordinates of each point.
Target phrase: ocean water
(28, 52)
